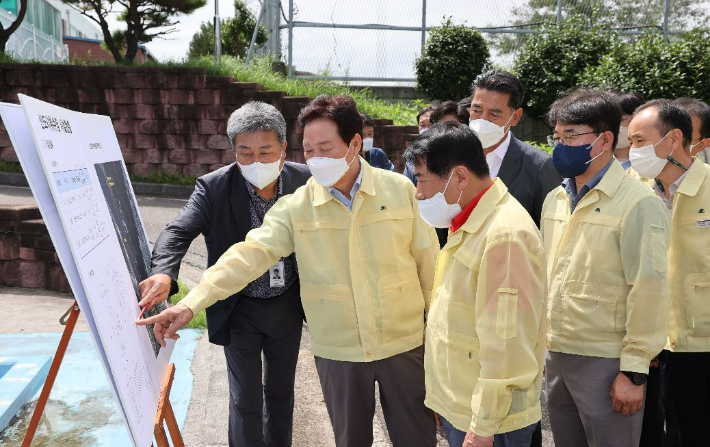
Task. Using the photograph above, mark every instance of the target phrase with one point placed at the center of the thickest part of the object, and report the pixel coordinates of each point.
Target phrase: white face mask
(645, 162)
(489, 133)
(421, 131)
(327, 171)
(367, 144)
(261, 174)
(436, 211)
(623, 137)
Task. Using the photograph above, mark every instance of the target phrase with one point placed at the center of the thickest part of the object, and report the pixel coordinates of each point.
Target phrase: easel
(165, 413)
(165, 410)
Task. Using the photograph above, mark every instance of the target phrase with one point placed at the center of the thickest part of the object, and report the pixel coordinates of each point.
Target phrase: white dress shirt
(673, 188)
(495, 158)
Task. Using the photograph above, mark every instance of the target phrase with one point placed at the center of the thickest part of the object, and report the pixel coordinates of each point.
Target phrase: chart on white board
(82, 186)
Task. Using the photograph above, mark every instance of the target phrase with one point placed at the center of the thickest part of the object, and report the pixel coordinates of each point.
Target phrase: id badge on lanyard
(277, 275)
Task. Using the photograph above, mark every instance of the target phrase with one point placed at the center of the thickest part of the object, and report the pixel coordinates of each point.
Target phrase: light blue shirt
(571, 186)
(625, 164)
(356, 187)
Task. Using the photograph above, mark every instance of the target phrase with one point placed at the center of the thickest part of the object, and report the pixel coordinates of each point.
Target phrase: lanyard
(675, 162)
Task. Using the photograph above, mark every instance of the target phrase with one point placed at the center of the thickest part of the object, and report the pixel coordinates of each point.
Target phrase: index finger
(150, 320)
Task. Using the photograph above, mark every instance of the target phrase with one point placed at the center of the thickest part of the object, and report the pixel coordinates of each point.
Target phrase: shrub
(656, 68)
(453, 57)
(553, 60)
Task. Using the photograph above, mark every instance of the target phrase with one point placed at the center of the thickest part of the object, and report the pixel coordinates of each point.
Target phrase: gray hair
(253, 117)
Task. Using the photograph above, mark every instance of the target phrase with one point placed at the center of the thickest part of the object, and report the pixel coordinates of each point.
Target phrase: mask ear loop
(507, 122)
(670, 156)
(458, 201)
(346, 155)
(671, 159)
(591, 145)
(447, 185)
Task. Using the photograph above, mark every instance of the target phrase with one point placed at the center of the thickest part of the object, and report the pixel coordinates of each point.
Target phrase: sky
(361, 53)
(353, 52)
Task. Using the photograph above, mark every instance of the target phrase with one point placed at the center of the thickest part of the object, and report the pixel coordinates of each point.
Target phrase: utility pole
(217, 34)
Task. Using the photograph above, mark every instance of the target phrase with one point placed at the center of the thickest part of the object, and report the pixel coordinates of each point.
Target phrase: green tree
(453, 56)
(145, 20)
(552, 61)
(5, 33)
(617, 14)
(656, 68)
(235, 33)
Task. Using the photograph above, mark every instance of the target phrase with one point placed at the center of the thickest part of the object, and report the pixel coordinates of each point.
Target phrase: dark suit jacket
(219, 209)
(378, 159)
(529, 175)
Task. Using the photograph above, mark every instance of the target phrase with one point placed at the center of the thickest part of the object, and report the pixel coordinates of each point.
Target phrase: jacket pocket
(591, 309)
(659, 252)
(697, 292)
(330, 312)
(507, 313)
(401, 305)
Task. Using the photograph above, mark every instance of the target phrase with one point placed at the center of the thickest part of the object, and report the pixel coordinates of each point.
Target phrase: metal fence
(30, 43)
(379, 40)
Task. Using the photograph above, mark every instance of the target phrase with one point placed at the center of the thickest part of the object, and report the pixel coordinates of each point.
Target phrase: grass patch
(259, 70)
(542, 146)
(200, 320)
(162, 177)
(9, 166)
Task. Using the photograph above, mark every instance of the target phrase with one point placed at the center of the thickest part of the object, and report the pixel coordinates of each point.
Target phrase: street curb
(141, 189)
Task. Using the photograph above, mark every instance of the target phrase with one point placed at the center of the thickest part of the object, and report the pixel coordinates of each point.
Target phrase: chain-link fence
(379, 40)
(30, 43)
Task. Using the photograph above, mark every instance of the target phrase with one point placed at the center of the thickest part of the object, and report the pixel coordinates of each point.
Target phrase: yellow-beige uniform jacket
(689, 262)
(485, 339)
(365, 276)
(607, 269)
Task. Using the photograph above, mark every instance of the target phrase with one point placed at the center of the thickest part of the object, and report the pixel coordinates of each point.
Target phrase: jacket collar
(485, 207)
(609, 183)
(694, 178)
(321, 194)
(511, 161)
(239, 201)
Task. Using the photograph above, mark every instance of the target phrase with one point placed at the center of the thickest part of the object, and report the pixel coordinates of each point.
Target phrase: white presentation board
(75, 169)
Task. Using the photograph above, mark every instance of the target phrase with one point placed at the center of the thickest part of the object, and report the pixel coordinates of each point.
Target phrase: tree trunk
(132, 31)
(108, 39)
(4, 37)
(6, 33)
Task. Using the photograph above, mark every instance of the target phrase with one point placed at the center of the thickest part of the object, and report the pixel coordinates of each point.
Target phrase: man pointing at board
(266, 316)
(366, 266)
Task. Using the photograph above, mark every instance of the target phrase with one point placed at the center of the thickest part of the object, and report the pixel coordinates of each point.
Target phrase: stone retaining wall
(27, 255)
(167, 120)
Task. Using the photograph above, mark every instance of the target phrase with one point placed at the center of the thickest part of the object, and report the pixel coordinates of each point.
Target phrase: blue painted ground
(82, 410)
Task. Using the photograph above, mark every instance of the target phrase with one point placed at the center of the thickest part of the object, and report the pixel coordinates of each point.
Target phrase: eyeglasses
(567, 140)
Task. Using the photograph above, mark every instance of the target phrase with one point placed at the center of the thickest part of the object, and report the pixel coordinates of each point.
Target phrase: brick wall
(166, 120)
(27, 256)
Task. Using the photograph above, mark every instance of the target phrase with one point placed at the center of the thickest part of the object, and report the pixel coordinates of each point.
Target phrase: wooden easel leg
(165, 413)
(160, 437)
(52, 375)
(173, 428)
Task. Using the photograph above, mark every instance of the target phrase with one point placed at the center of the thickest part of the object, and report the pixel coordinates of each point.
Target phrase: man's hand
(474, 440)
(626, 397)
(168, 322)
(154, 289)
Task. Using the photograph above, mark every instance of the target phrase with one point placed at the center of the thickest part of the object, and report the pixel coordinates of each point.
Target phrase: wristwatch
(636, 378)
